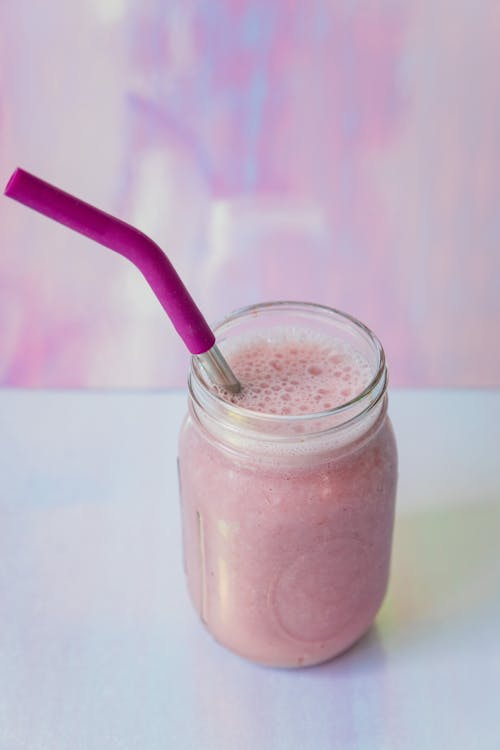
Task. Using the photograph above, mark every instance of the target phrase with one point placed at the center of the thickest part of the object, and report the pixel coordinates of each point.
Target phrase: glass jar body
(287, 551)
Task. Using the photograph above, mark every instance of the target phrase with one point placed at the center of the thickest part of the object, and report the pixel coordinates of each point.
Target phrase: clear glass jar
(287, 520)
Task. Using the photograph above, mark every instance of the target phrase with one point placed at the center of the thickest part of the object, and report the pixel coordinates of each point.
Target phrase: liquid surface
(296, 372)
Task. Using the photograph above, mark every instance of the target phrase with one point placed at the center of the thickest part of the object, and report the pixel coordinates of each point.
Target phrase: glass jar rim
(216, 401)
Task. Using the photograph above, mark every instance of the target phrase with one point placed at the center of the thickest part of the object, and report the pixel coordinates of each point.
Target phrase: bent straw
(145, 254)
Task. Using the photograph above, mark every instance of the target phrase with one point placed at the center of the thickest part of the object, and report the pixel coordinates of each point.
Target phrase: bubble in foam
(314, 370)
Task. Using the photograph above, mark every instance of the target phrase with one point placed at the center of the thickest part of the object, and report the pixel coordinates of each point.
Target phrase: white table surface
(99, 646)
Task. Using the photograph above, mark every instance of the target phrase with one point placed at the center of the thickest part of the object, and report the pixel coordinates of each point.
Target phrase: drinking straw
(145, 254)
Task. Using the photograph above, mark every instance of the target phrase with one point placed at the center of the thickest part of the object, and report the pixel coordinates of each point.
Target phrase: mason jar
(287, 519)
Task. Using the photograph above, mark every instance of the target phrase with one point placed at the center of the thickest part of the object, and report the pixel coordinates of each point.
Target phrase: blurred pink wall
(334, 151)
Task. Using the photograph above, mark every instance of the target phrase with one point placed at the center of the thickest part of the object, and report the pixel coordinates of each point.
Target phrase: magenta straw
(141, 251)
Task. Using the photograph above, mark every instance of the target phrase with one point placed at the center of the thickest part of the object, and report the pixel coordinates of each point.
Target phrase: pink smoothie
(287, 545)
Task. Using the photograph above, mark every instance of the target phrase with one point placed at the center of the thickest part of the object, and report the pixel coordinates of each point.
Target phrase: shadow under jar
(288, 519)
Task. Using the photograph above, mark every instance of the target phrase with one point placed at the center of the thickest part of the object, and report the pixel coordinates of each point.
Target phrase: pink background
(334, 151)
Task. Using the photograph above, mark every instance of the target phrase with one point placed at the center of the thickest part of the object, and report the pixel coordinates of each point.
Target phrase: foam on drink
(296, 372)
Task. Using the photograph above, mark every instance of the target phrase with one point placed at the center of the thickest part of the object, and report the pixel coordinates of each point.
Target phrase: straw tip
(10, 186)
(16, 175)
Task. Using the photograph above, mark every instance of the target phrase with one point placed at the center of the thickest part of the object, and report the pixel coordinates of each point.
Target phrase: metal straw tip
(218, 369)
(233, 387)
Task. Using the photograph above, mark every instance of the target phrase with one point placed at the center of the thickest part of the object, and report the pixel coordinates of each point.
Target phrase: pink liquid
(287, 553)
